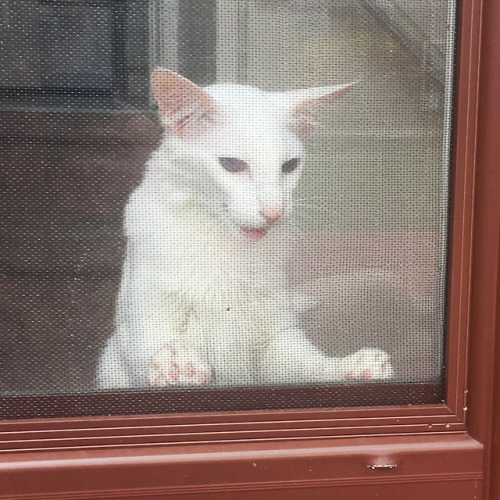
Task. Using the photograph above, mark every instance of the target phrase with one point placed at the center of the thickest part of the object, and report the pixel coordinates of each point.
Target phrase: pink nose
(272, 214)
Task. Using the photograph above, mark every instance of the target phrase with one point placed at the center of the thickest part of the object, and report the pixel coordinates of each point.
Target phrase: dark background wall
(64, 180)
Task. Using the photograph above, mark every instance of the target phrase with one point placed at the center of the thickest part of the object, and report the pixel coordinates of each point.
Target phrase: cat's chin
(255, 234)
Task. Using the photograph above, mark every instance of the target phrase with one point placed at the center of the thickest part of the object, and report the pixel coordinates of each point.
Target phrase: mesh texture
(371, 204)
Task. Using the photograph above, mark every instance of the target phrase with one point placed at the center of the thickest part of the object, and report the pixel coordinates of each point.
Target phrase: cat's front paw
(178, 365)
(368, 364)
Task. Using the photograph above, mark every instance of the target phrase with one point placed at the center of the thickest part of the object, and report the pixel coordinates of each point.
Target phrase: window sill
(417, 467)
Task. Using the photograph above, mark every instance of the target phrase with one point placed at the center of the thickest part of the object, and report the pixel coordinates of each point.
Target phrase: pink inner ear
(305, 115)
(185, 107)
(304, 121)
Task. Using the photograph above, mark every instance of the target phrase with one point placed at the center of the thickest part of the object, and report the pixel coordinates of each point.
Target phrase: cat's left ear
(305, 106)
(185, 108)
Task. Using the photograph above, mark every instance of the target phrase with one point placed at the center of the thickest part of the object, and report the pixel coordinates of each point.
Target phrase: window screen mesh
(222, 278)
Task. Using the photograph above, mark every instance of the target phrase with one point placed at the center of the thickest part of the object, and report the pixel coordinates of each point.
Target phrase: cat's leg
(154, 341)
(292, 358)
(111, 371)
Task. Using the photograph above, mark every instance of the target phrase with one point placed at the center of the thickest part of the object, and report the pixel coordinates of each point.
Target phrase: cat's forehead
(246, 103)
(235, 96)
(252, 117)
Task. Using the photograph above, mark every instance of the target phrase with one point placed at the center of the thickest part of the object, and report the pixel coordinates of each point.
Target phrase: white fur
(195, 290)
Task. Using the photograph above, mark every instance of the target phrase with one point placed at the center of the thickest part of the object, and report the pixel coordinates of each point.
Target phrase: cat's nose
(272, 214)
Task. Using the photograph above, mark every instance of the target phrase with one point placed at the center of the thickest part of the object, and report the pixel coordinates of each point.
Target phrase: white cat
(204, 296)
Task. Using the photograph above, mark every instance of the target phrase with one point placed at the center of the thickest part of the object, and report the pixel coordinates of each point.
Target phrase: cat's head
(238, 150)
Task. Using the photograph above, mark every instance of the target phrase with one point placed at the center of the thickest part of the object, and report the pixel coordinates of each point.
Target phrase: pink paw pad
(174, 366)
(368, 364)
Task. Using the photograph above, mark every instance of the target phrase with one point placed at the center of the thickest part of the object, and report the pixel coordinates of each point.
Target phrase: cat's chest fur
(192, 252)
(210, 270)
(219, 291)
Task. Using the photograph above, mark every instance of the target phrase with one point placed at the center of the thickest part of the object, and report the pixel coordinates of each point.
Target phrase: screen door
(360, 264)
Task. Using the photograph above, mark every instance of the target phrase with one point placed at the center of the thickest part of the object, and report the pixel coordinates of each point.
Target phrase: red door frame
(85, 457)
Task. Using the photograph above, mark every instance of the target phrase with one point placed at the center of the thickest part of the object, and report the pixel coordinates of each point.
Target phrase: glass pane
(19, 54)
(76, 43)
(56, 44)
(288, 230)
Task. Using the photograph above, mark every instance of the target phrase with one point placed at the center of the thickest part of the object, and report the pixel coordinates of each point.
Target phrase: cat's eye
(233, 165)
(290, 165)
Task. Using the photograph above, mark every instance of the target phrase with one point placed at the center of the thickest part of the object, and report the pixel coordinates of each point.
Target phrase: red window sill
(416, 467)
